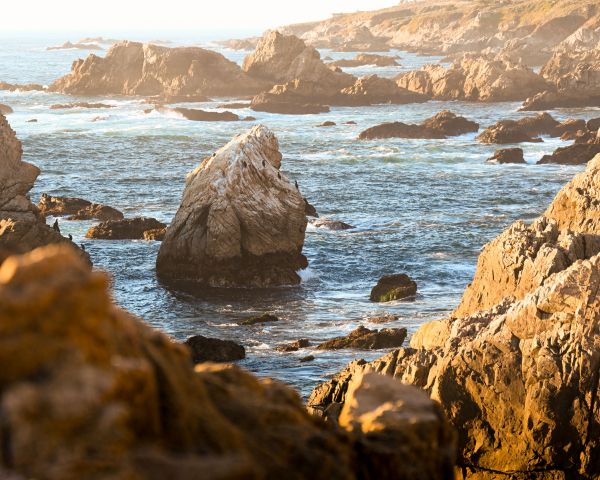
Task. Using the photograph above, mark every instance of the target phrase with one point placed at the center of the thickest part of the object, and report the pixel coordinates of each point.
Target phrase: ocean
(422, 207)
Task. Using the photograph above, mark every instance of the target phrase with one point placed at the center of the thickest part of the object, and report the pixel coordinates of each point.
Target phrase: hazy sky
(98, 16)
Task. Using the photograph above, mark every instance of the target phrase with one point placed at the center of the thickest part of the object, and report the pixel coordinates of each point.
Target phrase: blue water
(424, 207)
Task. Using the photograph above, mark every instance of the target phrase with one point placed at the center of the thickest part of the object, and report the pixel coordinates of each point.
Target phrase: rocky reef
(241, 221)
(89, 391)
(516, 366)
(22, 225)
(133, 68)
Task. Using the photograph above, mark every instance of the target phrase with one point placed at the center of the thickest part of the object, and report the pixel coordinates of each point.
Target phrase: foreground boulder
(364, 339)
(393, 287)
(132, 68)
(22, 226)
(441, 125)
(89, 391)
(241, 221)
(204, 349)
(138, 228)
(76, 208)
(515, 367)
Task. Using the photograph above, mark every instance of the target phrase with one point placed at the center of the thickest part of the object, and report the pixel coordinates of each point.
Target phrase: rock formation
(30, 87)
(586, 145)
(79, 46)
(204, 349)
(441, 125)
(66, 106)
(364, 339)
(241, 221)
(516, 366)
(5, 109)
(132, 68)
(89, 391)
(76, 209)
(22, 226)
(393, 287)
(137, 228)
(527, 129)
(474, 78)
(198, 115)
(363, 59)
(507, 155)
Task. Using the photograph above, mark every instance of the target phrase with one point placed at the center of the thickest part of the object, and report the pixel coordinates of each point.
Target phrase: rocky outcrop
(66, 106)
(516, 366)
(364, 339)
(76, 209)
(527, 129)
(137, 228)
(5, 109)
(393, 287)
(132, 68)
(204, 349)
(89, 391)
(22, 226)
(29, 87)
(294, 346)
(507, 155)
(364, 59)
(441, 125)
(241, 221)
(329, 224)
(198, 115)
(576, 154)
(79, 46)
(475, 79)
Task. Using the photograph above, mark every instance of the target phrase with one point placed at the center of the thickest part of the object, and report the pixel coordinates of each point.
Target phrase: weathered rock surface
(132, 68)
(5, 109)
(363, 59)
(204, 349)
(441, 125)
(526, 129)
(22, 226)
(89, 391)
(257, 319)
(364, 339)
(157, 234)
(393, 287)
(329, 224)
(241, 221)
(516, 366)
(507, 155)
(576, 154)
(476, 79)
(76, 209)
(125, 229)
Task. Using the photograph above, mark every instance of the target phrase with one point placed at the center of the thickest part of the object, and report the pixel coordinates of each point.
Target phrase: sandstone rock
(125, 229)
(507, 155)
(363, 59)
(5, 109)
(264, 318)
(89, 391)
(506, 131)
(204, 349)
(441, 125)
(310, 210)
(371, 90)
(393, 287)
(29, 87)
(364, 339)
(22, 226)
(131, 68)
(571, 126)
(576, 154)
(294, 346)
(331, 224)
(76, 209)
(157, 234)
(476, 79)
(240, 223)
(66, 106)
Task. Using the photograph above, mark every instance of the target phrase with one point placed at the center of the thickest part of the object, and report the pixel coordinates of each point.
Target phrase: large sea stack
(241, 222)
(516, 366)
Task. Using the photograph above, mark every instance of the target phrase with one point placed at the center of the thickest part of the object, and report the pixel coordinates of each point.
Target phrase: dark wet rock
(526, 129)
(450, 124)
(286, 105)
(393, 287)
(5, 109)
(156, 234)
(76, 208)
(387, 318)
(198, 115)
(66, 106)
(33, 120)
(257, 319)
(593, 125)
(364, 339)
(570, 127)
(310, 210)
(126, 229)
(331, 224)
(351, 122)
(507, 155)
(327, 124)
(308, 358)
(294, 346)
(204, 349)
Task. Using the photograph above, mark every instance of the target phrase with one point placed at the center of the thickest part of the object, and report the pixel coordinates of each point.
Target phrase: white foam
(307, 275)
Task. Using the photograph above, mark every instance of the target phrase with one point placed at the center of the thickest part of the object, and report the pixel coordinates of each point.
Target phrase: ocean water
(423, 207)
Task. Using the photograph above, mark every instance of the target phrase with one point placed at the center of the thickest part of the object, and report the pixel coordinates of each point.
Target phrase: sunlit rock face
(516, 366)
(133, 68)
(89, 391)
(241, 221)
(22, 226)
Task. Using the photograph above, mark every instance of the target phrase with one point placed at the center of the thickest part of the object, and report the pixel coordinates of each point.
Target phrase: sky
(103, 16)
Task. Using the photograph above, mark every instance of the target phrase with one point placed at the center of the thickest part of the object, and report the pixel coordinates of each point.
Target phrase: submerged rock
(264, 318)
(198, 115)
(204, 349)
(294, 346)
(66, 106)
(125, 229)
(328, 224)
(76, 209)
(393, 287)
(89, 391)
(241, 222)
(507, 155)
(364, 339)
